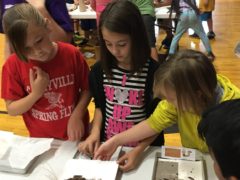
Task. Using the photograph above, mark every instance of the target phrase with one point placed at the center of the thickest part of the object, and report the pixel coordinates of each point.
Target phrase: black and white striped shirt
(125, 104)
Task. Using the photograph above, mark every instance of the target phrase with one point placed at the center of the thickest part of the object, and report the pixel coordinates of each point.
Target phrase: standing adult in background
(54, 10)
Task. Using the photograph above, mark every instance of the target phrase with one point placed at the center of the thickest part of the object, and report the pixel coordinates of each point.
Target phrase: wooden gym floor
(226, 19)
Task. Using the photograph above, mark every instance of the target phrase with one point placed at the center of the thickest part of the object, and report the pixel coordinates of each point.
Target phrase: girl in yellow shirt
(189, 84)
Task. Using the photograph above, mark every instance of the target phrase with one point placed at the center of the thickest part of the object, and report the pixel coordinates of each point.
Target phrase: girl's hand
(129, 160)
(75, 129)
(39, 81)
(106, 150)
(90, 145)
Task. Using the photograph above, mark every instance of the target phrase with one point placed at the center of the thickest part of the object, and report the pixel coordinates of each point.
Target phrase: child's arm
(75, 128)
(133, 134)
(38, 81)
(59, 34)
(91, 144)
(130, 160)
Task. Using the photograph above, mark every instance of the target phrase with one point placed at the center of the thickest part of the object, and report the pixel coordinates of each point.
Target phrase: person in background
(206, 7)
(121, 82)
(188, 85)
(54, 10)
(44, 81)
(146, 8)
(188, 17)
(89, 26)
(220, 128)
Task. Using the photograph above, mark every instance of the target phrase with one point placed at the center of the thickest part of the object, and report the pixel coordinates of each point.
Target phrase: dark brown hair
(124, 17)
(192, 76)
(15, 23)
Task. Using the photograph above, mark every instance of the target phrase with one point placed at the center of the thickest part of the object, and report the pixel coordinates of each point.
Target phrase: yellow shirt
(166, 115)
(210, 6)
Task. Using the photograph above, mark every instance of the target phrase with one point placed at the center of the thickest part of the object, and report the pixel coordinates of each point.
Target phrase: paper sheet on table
(91, 169)
(24, 150)
(5, 142)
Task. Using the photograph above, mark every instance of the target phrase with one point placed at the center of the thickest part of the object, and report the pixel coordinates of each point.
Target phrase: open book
(17, 152)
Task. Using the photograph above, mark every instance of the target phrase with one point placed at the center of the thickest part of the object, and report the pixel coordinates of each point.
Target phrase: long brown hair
(15, 23)
(192, 76)
(122, 16)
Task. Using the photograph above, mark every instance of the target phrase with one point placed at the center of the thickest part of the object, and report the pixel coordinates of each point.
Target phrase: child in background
(220, 127)
(189, 84)
(98, 6)
(44, 81)
(88, 26)
(206, 7)
(188, 17)
(147, 11)
(54, 10)
(121, 82)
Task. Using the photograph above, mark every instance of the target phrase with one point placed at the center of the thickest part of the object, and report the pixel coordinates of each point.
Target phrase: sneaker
(194, 35)
(211, 56)
(211, 35)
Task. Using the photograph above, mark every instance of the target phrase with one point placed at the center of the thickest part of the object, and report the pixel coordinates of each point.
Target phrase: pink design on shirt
(124, 80)
(121, 112)
(109, 92)
(135, 97)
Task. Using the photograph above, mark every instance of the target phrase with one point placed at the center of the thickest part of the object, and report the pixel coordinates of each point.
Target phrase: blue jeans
(189, 19)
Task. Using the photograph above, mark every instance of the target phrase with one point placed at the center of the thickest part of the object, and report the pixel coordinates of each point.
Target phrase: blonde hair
(15, 23)
(192, 76)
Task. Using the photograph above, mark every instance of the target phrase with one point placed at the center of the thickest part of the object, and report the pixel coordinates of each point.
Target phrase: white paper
(91, 169)
(5, 142)
(25, 149)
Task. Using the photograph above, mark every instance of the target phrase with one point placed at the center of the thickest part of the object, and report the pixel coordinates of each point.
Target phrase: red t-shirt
(68, 73)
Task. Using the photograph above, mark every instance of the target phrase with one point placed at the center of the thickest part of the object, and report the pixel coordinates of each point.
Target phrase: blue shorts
(149, 23)
(206, 16)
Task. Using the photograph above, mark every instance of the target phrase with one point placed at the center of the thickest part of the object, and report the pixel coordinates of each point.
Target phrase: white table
(161, 13)
(50, 165)
(88, 14)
